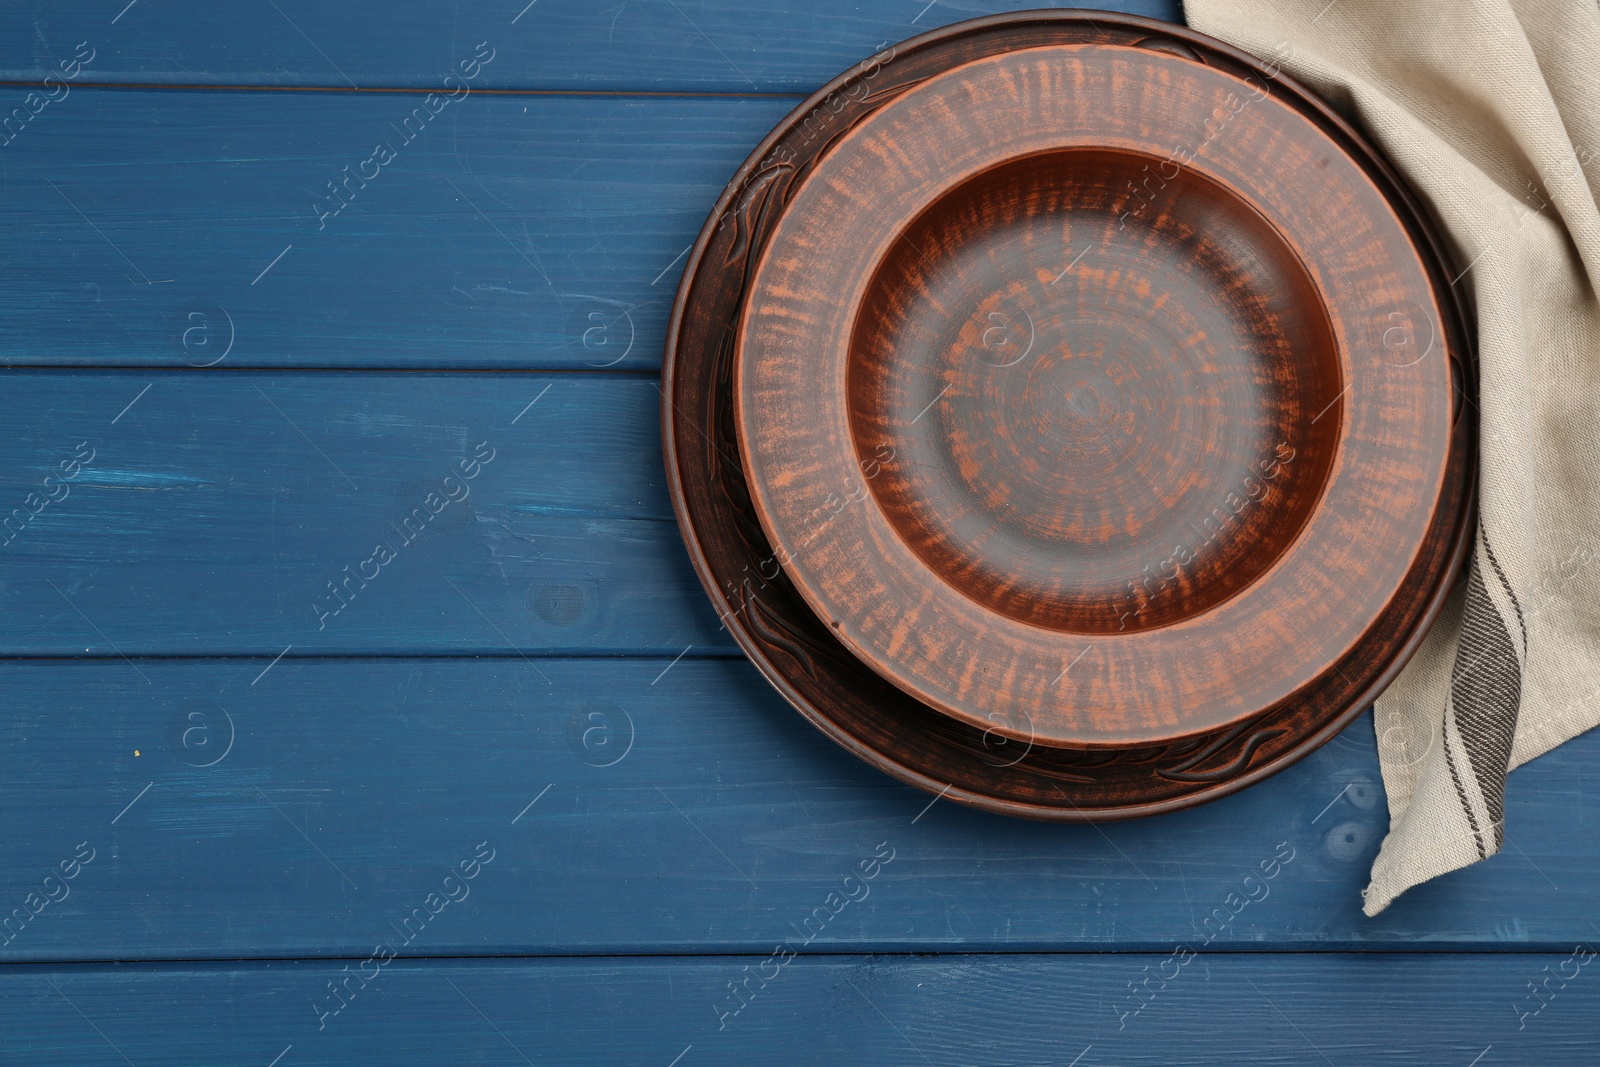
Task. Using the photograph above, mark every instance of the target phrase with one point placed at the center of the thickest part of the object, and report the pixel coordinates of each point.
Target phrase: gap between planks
(175, 963)
(400, 91)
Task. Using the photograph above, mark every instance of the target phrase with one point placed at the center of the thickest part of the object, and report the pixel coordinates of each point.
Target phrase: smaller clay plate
(1068, 396)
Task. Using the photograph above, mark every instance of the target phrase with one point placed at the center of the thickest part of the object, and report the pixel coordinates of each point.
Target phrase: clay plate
(1137, 473)
(1076, 440)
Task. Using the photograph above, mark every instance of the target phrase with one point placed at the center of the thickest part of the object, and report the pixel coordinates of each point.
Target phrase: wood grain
(239, 512)
(722, 46)
(1259, 1009)
(388, 770)
(146, 228)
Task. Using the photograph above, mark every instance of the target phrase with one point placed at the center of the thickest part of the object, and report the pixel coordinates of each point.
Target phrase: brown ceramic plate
(1147, 462)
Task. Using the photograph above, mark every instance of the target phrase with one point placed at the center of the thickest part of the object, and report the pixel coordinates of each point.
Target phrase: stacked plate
(1068, 416)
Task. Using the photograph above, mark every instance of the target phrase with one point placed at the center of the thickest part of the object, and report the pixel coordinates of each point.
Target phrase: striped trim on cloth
(1485, 692)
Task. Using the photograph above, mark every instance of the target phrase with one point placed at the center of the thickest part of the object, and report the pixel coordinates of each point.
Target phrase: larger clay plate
(967, 434)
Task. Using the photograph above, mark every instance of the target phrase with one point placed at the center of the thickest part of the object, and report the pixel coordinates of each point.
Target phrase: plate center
(1109, 387)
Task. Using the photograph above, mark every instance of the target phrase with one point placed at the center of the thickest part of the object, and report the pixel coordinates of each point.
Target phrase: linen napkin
(1491, 111)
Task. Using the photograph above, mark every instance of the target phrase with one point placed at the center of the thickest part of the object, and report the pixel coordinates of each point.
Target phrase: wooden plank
(181, 229)
(233, 512)
(680, 807)
(1462, 1010)
(691, 45)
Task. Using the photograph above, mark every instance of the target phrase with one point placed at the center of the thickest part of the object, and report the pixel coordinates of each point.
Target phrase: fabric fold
(1490, 109)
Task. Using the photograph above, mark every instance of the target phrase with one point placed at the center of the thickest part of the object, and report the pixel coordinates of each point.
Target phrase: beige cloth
(1491, 110)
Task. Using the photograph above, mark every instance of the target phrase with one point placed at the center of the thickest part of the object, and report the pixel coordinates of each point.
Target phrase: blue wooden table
(361, 704)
